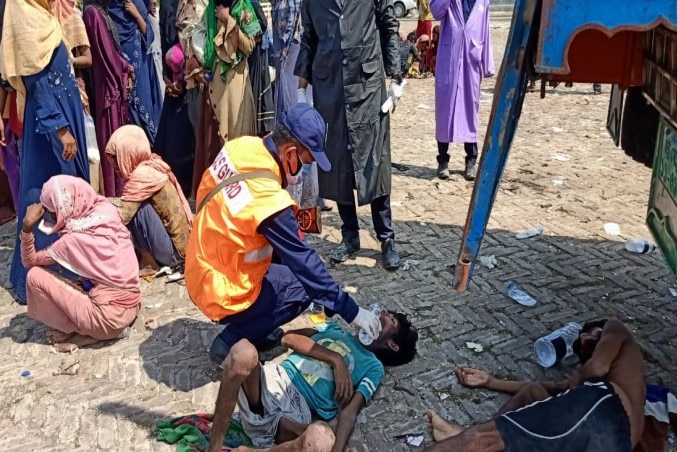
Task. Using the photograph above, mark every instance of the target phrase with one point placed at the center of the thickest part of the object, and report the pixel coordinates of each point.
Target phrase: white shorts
(279, 398)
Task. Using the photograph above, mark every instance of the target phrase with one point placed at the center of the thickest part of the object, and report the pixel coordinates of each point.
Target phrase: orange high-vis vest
(227, 258)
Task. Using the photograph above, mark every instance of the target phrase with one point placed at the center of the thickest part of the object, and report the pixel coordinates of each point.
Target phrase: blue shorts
(282, 299)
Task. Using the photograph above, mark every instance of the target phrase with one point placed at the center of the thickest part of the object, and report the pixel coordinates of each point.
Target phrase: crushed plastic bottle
(639, 246)
(520, 296)
(557, 345)
(365, 339)
(530, 233)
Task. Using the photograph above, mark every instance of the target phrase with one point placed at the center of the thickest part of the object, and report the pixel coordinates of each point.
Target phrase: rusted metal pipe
(463, 270)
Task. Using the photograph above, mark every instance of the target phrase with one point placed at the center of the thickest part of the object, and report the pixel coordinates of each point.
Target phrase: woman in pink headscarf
(95, 245)
(152, 204)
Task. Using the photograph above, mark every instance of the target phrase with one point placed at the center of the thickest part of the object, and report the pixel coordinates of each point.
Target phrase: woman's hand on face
(34, 214)
(69, 146)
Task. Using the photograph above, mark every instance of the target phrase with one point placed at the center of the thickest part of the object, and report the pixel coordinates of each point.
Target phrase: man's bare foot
(442, 429)
(148, 266)
(56, 336)
(75, 342)
(147, 271)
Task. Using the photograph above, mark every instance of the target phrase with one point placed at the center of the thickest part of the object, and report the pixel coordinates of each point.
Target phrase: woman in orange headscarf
(152, 204)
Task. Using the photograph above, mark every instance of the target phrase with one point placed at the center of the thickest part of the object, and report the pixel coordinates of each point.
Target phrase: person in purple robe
(463, 58)
(111, 77)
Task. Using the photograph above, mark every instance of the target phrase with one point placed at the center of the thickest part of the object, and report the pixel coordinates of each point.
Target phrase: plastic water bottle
(520, 296)
(93, 154)
(557, 345)
(365, 339)
(639, 246)
(530, 233)
(388, 104)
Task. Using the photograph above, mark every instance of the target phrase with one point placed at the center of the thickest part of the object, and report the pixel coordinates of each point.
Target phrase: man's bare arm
(475, 378)
(304, 345)
(346, 421)
(614, 336)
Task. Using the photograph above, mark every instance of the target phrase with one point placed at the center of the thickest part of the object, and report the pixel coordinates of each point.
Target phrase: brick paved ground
(575, 271)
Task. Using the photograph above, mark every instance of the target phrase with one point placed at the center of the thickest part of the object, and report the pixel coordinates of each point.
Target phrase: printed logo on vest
(235, 195)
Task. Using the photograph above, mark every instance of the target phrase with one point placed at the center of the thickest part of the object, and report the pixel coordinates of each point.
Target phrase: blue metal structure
(540, 43)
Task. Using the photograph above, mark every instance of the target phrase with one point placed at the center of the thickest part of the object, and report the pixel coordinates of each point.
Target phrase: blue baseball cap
(307, 126)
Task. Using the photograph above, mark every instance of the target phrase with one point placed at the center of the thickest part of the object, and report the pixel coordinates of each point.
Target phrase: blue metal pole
(507, 107)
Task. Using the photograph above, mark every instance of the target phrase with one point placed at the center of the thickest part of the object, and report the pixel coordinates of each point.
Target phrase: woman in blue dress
(53, 127)
(136, 35)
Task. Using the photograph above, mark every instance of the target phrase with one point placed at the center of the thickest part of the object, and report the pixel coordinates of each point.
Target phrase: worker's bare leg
(481, 438)
(318, 437)
(442, 429)
(240, 369)
(288, 430)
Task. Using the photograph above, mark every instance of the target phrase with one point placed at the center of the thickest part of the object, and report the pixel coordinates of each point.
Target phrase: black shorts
(588, 418)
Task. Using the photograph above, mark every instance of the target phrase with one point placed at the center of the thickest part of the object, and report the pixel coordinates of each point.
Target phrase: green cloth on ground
(191, 432)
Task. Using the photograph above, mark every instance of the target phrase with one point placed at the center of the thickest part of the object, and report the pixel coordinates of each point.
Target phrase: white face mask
(42, 227)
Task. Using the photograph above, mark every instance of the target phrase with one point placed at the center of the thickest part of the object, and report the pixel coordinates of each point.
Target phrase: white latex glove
(301, 96)
(395, 91)
(369, 322)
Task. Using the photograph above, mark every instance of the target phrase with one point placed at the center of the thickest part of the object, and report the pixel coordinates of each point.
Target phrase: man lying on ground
(329, 373)
(600, 407)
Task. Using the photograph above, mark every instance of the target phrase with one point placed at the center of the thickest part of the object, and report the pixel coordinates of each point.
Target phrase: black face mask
(299, 163)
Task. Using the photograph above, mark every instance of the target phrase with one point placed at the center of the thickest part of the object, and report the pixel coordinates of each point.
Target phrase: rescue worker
(245, 214)
(347, 49)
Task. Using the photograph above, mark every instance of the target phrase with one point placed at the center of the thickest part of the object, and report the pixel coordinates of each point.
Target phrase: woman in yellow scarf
(49, 103)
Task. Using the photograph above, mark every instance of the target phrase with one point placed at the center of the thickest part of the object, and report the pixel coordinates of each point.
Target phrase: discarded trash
(639, 246)
(25, 373)
(423, 107)
(474, 346)
(163, 271)
(562, 157)
(520, 296)
(557, 345)
(414, 441)
(125, 333)
(558, 129)
(405, 435)
(557, 182)
(71, 370)
(530, 233)
(174, 277)
(444, 396)
(612, 229)
(673, 291)
(409, 263)
(317, 314)
(488, 261)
